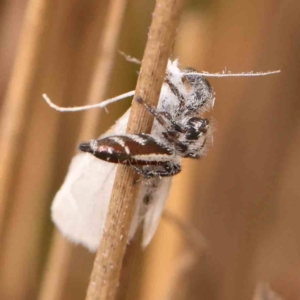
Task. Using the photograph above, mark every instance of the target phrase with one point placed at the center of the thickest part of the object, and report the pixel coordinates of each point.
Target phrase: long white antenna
(228, 74)
(86, 107)
(131, 93)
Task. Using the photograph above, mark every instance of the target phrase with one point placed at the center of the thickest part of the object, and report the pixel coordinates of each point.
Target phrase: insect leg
(165, 119)
(164, 170)
(176, 92)
(161, 117)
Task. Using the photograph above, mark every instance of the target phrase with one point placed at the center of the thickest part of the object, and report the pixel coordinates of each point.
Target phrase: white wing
(80, 206)
(155, 209)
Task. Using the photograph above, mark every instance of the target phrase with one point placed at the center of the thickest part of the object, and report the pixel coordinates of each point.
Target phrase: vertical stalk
(108, 263)
(19, 94)
(61, 252)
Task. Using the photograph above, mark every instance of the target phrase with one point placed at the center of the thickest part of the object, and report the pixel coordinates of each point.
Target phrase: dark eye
(196, 126)
(192, 133)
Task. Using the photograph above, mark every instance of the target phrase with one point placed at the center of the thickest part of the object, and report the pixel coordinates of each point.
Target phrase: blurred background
(242, 198)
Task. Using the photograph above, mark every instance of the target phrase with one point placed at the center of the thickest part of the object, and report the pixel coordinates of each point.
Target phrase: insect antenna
(86, 107)
(229, 74)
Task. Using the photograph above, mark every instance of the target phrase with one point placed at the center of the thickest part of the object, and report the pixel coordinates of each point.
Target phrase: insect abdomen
(137, 149)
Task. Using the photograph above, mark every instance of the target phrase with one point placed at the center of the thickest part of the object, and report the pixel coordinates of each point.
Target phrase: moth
(180, 130)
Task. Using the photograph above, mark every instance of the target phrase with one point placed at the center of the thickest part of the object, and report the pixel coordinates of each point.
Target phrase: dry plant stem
(16, 103)
(61, 251)
(107, 266)
(56, 270)
(129, 265)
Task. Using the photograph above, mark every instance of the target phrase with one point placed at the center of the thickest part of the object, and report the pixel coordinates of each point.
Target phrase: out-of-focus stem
(61, 251)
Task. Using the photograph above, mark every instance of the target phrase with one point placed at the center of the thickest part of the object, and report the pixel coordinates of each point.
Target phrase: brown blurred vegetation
(243, 197)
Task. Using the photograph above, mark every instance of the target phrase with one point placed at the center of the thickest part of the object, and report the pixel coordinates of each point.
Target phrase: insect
(179, 131)
(182, 132)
